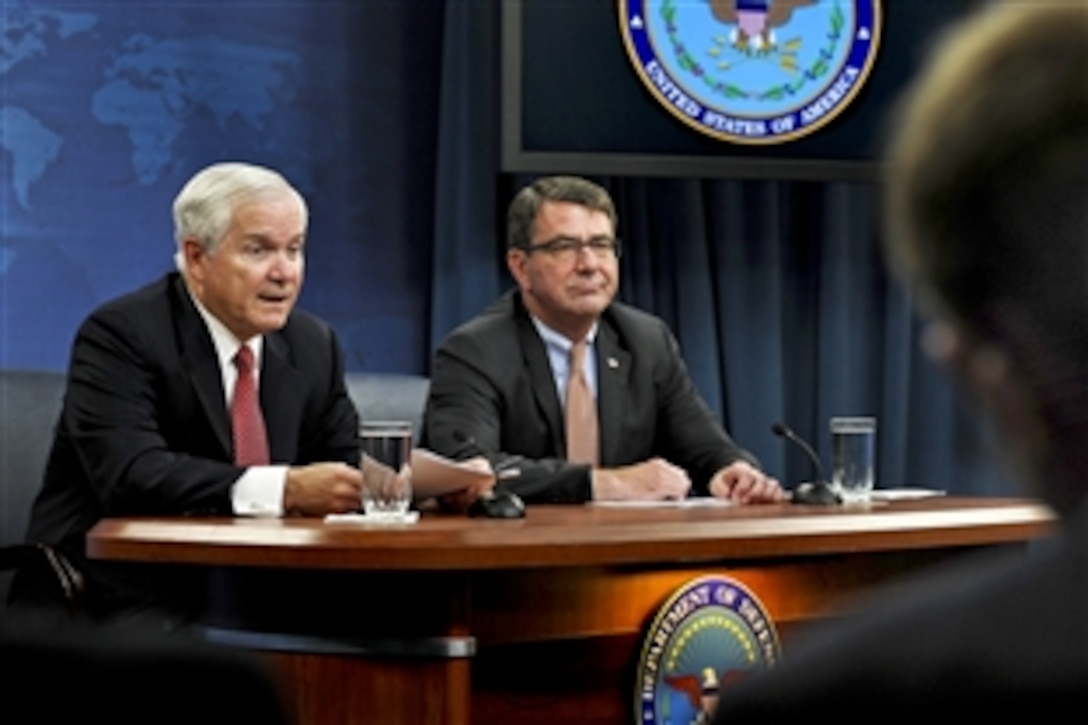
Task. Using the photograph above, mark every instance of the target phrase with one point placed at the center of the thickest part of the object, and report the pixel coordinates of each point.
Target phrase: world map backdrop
(107, 108)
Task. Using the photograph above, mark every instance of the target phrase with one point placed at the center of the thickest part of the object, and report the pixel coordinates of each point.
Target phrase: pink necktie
(581, 411)
(247, 423)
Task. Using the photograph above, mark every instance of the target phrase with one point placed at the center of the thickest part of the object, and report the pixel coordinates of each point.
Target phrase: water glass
(853, 457)
(387, 481)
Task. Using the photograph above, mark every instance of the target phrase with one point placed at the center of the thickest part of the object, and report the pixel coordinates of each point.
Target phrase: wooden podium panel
(537, 620)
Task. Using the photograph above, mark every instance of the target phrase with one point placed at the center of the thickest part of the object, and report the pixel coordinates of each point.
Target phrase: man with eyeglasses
(621, 420)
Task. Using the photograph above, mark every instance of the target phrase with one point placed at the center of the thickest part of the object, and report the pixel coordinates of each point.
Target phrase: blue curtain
(386, 115)
(776, 290)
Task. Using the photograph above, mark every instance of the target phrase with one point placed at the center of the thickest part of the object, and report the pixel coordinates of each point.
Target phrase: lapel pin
(613, 363)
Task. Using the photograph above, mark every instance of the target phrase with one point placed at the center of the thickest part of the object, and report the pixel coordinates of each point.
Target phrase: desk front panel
(542, 617)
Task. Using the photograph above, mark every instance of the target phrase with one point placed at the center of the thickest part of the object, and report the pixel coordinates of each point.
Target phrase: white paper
(681, 503)
(903, 494)
(408, 517)
(435, 475)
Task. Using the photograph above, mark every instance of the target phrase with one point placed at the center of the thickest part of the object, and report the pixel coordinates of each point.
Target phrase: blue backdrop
(385, 114)
(109, 107)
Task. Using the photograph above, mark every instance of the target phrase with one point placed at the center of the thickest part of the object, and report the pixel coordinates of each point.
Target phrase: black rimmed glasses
(568, 248)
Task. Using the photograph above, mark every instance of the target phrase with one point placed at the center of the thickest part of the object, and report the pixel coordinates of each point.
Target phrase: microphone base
(816, 494)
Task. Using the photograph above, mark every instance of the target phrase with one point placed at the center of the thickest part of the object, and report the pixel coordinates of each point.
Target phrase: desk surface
(565, 536)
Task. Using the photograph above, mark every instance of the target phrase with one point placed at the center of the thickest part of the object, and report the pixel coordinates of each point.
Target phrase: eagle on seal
(702, 692)
(755, 19)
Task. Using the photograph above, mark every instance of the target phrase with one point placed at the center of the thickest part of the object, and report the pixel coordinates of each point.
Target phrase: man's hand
(322, 488)
(742, 482)
(459, 501)
(652, 480)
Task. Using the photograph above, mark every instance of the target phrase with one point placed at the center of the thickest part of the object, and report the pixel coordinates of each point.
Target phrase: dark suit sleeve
(689, 434)
(330, 427)
(492, 394)
(123, 419)
(480, 403)
(144, 434)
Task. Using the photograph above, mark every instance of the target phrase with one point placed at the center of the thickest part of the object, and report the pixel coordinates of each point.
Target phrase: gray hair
(205, 205)
(521, 216)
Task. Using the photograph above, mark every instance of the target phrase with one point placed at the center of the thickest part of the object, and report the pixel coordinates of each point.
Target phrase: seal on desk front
(709, 634)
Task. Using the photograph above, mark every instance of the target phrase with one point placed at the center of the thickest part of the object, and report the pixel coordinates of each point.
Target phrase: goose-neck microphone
(818, 491)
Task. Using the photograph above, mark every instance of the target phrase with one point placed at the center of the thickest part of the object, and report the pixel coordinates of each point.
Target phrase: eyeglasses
(568, 248)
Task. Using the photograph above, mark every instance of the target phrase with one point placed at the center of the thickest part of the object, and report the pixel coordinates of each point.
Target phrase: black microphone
(501, 503)
(817, 492)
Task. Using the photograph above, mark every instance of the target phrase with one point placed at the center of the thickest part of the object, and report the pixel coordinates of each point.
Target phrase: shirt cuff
(259, 491)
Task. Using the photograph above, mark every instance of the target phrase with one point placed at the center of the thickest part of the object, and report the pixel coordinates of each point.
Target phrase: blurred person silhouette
(130, 672)
(986, 195)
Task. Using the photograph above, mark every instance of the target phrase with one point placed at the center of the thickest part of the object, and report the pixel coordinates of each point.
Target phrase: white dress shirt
(258, 491)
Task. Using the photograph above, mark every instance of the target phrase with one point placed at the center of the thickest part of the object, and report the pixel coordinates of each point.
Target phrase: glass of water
(387, 481)
(853, 457)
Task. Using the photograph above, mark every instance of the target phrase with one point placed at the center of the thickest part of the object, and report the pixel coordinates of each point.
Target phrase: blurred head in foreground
(987, 217)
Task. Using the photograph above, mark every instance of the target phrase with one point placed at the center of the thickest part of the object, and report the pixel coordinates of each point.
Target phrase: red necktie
(247, 423)
(581, 411)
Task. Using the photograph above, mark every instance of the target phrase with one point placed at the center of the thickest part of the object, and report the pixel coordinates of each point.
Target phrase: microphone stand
(813, 493)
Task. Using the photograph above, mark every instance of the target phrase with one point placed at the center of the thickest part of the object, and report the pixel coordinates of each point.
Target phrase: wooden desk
(538, 620)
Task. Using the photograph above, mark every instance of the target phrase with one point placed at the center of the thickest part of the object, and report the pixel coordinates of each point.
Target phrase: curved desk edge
(565, 536)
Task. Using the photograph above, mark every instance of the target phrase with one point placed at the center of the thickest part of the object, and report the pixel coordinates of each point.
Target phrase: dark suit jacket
(492, 392)
(145, 428)
(995, 641)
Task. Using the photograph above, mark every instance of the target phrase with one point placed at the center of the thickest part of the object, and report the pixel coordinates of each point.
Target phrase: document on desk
(436, 475)
(356, 517)
(672, 503)
(903, 494)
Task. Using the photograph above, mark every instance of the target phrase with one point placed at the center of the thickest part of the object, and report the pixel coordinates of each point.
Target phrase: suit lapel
(613, 374)
(282, 398)
(199, 358)
(543, 380)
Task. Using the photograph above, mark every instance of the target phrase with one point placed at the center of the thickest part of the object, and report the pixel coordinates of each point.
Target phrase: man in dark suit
(149, 420)
(987, 217)
(499, 382)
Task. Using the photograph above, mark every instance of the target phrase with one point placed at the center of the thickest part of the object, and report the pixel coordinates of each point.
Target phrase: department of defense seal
(709, 634)
(752, 71)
